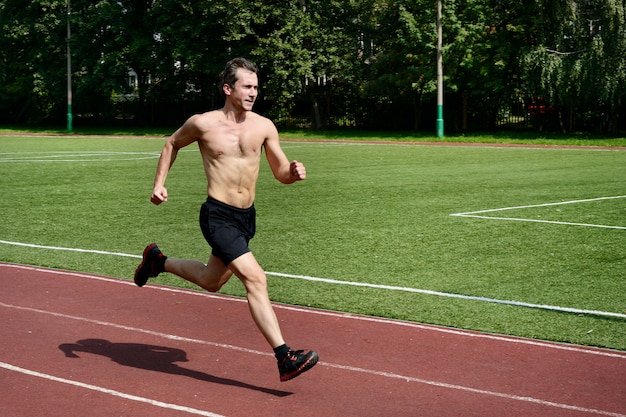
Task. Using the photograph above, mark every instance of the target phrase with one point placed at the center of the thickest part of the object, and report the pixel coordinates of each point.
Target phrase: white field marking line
(54, 156)
(327, 364)
(62, 156)
(365, 284)
(451, 295)
(77, 160)
(466, 333)
(518, 219)
(475, 214)
(341, 142)
(99, 252)
(441, 329)
(58, 154)
(108, 391)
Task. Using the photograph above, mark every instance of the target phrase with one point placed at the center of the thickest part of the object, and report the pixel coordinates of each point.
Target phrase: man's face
(245, 91)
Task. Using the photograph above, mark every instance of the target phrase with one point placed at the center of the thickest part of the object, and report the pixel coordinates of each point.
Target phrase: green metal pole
(69, 73)
(439, 73)
(440, 121)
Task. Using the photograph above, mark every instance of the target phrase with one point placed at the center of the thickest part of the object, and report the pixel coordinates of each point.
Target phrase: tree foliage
(577, 59)
(368, 63)
(32, 52)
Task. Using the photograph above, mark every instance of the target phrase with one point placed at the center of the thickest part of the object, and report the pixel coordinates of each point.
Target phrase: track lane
(203, 352)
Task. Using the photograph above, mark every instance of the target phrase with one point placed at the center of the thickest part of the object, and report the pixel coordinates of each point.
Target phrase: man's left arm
(283, 170)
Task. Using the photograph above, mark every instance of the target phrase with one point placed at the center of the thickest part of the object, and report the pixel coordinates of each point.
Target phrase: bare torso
(231, 153)
(230, 140)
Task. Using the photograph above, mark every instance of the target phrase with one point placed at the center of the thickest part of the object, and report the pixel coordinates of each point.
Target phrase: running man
(230, 141)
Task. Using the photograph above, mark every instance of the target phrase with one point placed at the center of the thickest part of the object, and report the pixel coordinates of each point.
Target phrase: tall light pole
(439, 73)
(69, 72)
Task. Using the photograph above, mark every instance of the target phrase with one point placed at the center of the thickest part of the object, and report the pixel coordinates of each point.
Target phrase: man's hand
(159, 195)
(297, 171)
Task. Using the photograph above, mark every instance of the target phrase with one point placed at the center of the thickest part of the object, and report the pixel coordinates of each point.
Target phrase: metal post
(439, 73)
(69, 72)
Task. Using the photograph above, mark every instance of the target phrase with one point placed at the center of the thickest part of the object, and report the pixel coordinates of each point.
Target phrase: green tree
(483, 39)
(308, 48)
(603, 71)
(98, 46)
(403, 65)
(32, 53)
(194, 40)
(368, 63)
(577, 59)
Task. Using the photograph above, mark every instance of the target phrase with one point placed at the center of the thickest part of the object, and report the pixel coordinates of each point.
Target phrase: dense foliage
(325, 63)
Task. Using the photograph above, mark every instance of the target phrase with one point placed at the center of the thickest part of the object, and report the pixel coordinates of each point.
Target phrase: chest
(233, 142)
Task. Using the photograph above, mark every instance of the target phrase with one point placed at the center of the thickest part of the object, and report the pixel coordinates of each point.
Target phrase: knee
(256, 282)
(213, 284)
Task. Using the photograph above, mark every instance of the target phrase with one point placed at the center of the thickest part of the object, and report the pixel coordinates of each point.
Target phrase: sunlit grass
(376, 214)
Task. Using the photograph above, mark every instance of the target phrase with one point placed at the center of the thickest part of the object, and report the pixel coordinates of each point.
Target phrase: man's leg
(290, 363)
(211, 276)
(247, 269)
(215, 274)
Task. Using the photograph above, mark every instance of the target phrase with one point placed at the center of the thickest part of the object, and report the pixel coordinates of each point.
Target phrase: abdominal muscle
(232, 180)
(231, 154)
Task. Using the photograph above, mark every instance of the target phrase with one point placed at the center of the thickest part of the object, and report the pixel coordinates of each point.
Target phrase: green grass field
(380, 215)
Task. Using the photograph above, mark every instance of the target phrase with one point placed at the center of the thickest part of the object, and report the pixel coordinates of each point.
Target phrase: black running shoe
(295, 363)
(148, 266)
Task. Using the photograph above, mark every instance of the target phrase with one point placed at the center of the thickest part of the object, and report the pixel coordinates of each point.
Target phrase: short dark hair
(229, 73)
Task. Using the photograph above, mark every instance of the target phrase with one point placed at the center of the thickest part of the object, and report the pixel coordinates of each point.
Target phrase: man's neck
(234, 114)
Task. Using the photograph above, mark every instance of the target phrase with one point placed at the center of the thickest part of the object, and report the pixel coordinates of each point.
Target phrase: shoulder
(263, 124)
(201, 119)
(200, 123)
(257, 118)
(193, 129)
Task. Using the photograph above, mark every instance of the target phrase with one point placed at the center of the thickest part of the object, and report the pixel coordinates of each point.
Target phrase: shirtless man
(230, 141)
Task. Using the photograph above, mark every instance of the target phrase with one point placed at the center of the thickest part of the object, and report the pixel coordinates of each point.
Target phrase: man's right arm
(186, 134)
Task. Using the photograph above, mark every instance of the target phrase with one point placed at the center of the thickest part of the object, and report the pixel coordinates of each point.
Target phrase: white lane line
(327, 364)
(363, 284)
(604, 352)
(135, 329)
(482, 392)
(108, 391)
(465, 333)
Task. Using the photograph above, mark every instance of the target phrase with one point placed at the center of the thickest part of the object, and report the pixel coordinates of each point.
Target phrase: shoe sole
(142, 282)
(303, 368)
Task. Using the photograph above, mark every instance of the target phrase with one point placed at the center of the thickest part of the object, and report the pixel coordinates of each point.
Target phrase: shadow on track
(153, 358)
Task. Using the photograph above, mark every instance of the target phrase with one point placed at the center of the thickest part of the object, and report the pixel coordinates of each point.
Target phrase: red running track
(76, 344)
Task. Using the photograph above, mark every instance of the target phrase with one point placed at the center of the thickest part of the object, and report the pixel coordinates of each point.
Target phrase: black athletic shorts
(227, 229)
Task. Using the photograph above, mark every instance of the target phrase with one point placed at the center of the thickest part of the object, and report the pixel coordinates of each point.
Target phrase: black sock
(160, 263)
(281, 351)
